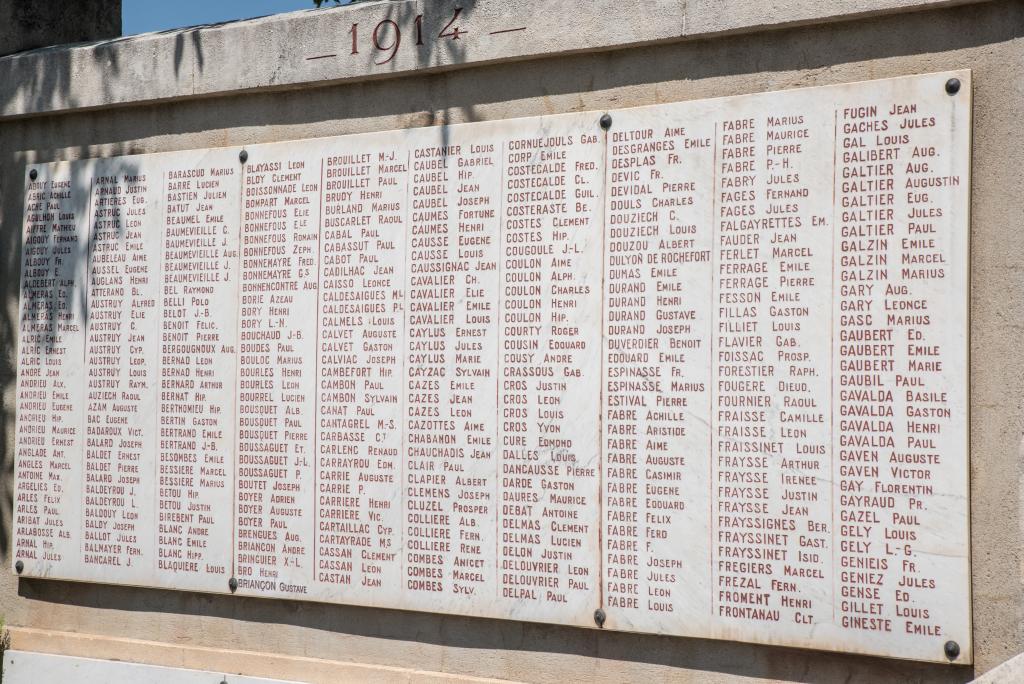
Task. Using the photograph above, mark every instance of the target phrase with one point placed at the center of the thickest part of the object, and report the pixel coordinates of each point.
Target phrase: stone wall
(25, 24)
(254, 82)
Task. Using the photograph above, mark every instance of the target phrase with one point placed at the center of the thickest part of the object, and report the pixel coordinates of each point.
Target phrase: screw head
(233, 585)
(19, 567)
(243, 156)
(952, 650)
(33, 174)
(606, 121)
(599, 617)
(953, 86)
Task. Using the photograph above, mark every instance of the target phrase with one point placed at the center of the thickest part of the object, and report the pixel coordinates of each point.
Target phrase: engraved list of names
(703, 370)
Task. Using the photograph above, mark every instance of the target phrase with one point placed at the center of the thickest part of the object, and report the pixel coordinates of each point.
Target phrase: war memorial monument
(518, 341)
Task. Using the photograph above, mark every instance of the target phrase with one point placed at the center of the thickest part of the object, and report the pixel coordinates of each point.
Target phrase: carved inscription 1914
(704, 370)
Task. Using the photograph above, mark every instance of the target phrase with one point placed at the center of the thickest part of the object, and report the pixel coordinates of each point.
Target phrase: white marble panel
(822, 464)
(701, 371)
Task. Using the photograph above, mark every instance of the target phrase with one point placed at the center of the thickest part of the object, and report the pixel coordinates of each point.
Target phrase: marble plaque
(702, 372)
(785, 415)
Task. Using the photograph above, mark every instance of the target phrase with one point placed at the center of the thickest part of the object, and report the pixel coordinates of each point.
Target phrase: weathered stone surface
(25, 25)
(24, 667)
(1007, 673)
(314, 47)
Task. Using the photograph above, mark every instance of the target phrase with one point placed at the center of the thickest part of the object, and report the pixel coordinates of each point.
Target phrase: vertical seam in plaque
(18, 378)
(498, 413)
(831, 361)
(18, 373)
(711, 378)
(85, 346)
(405, 360)
(316, 366)
(236, 425)
(600, 389)
(159, 368)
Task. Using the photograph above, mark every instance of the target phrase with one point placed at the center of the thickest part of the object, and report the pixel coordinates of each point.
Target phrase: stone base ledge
(1007, 673)
(248, 663)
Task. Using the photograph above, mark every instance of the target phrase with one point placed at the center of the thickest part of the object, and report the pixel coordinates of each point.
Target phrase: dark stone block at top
(26, 24)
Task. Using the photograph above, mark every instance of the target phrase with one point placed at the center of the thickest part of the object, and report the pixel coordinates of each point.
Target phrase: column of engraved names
(277, 374)
(49, 437)
(440, 398)
(476, 223)
(142, 231)
(797, 209)
(926, 256)
(197, 363)
(359, 392)
(866, 361)
(120, 369)
(550, 346)
(657, 360)
(892, 407)
(749, 534)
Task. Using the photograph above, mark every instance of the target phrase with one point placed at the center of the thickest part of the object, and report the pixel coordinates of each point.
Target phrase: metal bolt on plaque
(243, 156)
(233, 585)
(953, 86)
(19, 567)
(606, 121)
(33, 174)
(952, 650)
(599, 617)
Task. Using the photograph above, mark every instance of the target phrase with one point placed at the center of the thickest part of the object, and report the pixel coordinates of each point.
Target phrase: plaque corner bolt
(952, 650)
(19, 567)
(953, 86)
(600, 617)
(243, 156)
(233, 585)
(606, 121)
(33, 174)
